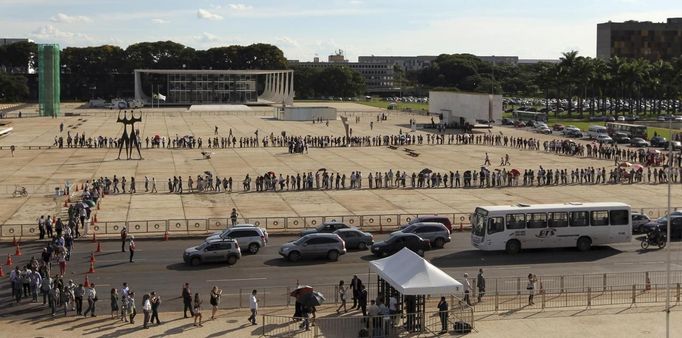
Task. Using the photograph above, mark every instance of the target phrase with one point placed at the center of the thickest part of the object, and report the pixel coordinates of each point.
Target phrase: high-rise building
(49, 85)
(640, 39)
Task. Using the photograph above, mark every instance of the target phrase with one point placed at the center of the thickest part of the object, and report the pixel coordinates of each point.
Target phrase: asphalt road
(158, 266)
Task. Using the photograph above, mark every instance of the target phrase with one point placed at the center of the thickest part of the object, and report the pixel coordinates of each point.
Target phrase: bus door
(600, 231)
(557, 222)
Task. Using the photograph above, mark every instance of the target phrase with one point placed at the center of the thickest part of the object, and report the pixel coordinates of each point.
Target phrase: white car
(570, 129)
(603, 138)
(543, 130)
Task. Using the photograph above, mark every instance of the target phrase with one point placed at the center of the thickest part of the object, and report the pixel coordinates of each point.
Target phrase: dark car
(639, 142)
(574, 133)
(621, 138)
(677, 145)
(355, 239)
(399, 241)
(436, 233)
(326, 227)
(658, 141)
(445, 220)
(662, 224)
(507, 121)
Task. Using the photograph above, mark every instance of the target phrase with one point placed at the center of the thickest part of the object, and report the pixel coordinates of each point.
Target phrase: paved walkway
(614, 322)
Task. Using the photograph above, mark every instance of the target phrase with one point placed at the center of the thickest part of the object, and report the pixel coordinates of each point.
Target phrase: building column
(285, 93)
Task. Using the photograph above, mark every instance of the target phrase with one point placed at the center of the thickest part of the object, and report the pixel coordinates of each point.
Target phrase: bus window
(537, 220)
(579, 219)
(495, 224)
(516, 221)
(599, 218)
(558, 219)
(619, 217)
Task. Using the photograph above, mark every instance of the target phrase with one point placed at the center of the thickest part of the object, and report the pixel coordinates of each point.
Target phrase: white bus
(525, 226)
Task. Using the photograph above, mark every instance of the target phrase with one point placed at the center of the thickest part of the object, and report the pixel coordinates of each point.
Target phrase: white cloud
(285, 41)
(64, 18)
(207, 37)
(50, 33)
(160, 21)
(204, 14)
(240, 7)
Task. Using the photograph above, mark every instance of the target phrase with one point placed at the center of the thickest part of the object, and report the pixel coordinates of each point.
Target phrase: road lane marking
(236, 280)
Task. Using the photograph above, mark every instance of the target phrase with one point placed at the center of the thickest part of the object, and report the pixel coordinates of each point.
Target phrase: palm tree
(600, 81)
(567, 64)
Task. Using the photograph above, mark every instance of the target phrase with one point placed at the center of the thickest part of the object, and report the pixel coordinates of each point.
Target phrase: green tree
(13, 88)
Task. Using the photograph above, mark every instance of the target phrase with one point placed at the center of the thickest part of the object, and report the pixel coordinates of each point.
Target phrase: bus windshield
(478, 222)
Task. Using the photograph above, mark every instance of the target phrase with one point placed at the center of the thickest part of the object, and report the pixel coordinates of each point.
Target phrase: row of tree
(575, 84)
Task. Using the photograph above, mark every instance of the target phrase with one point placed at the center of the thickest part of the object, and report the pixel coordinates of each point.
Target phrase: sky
(303, 29)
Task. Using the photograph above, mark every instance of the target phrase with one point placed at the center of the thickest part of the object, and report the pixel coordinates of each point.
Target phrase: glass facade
(188, 88)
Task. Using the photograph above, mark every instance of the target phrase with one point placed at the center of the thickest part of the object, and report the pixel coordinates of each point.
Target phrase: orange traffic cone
(94, 218)
(2, 272)
(94, 237)
(17, 252)
(14, 240)
(99, 247)
(9, 261)
(92, 268)
(92, 257)
(86, 283)
(165, 235)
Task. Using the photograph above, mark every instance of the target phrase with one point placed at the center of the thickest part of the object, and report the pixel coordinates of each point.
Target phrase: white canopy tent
(412, 275)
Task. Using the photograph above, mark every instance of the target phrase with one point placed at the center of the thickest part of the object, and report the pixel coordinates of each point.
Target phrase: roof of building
(213, 71)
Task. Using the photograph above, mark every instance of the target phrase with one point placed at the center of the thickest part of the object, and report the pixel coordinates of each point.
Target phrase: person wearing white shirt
(253, 306)
(146, 309)
(467, 289)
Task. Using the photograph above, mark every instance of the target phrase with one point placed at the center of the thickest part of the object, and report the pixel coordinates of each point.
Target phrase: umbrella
(426, 171)
(515, 172)
(89, 203)
(637, 167)
(208, 173)
(625, 164)
(311, 299)
(271, 173)
(300, 290)
(321, 169)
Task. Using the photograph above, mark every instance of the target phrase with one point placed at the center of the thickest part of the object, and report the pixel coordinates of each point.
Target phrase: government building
(640, 39)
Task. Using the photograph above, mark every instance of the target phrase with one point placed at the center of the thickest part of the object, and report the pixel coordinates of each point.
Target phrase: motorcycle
(654, 238)
(20, 192)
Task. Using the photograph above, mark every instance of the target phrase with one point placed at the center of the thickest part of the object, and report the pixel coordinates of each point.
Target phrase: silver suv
(249, 236)
(314, 245)
(217, 250)
(436, 233)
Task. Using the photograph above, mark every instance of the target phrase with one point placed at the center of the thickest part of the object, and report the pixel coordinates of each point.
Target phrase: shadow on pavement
(528, 256)
(204, 266)
(301, 262)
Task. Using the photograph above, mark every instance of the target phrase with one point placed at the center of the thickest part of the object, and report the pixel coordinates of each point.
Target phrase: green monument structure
(48, 80)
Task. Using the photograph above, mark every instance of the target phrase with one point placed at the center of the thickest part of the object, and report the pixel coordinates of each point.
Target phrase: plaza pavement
(44, 169)
(616, 322)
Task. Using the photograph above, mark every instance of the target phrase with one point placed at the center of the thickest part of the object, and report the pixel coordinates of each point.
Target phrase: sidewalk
(598, 322)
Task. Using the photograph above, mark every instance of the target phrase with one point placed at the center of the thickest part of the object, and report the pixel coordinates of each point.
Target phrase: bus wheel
(584, 243)
(513, 247)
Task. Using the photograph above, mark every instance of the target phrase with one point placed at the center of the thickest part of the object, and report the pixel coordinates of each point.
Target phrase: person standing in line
(342, 296)
(215, 300)
(156, 301)
(146, 309)
(114, 303)
(124, 236)
(253, 306)
(363, 299)
(467, 289)
(131, 248)
(197, 309)
(480, 284)
(78, 296)
(443, 314)
(531, 288)
(92, 299)
(187, 300)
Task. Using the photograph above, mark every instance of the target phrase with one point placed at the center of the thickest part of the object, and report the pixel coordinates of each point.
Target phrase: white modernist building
(460, 108)
(195, 87)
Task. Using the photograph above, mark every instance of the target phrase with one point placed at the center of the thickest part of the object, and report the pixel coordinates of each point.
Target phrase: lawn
(399, 105)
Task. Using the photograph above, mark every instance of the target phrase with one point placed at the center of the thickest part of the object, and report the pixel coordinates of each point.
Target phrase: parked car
(519, 124)
(326, 227)
(574, 133)
(543, 130)
(639, 142)
(216, 250)
(314, 246)
(507, 121)
(558, 127)
(249, 236)
(603, 138)
(676, 145)
(638, 220)
(445, 220)
(658, 141)
(662, 225)
(355, 239)
(621, 137)
(399, 241)
(436, 233)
